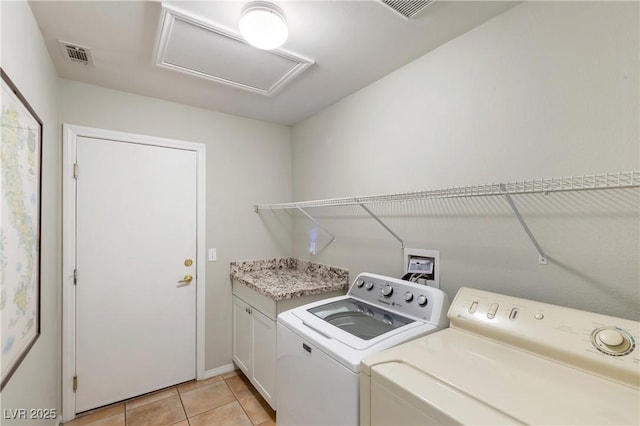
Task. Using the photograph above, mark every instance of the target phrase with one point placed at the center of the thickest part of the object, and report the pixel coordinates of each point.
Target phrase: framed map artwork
(20, 183)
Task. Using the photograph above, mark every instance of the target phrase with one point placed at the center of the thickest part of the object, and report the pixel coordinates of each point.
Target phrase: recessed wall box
(422, 266)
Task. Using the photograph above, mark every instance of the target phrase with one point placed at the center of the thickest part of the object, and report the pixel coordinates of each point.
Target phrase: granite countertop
(286, 278)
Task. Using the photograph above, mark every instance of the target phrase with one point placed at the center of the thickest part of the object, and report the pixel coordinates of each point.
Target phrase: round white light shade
(263, 25)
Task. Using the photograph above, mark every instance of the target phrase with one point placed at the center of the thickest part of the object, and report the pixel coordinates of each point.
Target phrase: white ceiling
(352, 44)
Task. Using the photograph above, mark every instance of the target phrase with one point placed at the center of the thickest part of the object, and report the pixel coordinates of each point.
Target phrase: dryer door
(402, 395)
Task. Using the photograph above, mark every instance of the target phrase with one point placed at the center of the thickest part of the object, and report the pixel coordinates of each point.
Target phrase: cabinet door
(264, 356)
(242, 335)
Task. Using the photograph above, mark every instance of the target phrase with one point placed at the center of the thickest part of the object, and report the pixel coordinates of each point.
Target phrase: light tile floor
(226, 400)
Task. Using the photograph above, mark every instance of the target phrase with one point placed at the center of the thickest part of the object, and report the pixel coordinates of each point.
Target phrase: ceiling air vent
(76, 53)
(407, 8)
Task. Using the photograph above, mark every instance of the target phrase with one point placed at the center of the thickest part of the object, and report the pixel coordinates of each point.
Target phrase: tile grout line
(240, 404)
(223, 380)
(184, 410)
(238, 400)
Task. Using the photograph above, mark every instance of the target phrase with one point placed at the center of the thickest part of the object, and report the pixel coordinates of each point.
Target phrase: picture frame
(20, 225)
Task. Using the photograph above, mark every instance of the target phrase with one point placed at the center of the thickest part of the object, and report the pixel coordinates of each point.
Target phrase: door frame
(70, 134)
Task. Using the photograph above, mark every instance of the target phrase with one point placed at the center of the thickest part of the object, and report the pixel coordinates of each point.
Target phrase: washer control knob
(611, 338)
(360, 283)
(387, 290)
(422, 300)
(612, 341)
(408, 296)
(369, 285)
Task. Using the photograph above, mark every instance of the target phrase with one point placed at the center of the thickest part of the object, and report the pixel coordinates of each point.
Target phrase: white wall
(36, 383)
(248, 161)
(546, 89)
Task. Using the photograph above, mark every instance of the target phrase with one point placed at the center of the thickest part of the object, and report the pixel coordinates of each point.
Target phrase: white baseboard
(218, 371)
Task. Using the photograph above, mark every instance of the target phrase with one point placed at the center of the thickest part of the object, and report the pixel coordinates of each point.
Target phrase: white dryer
(506, 360)
(320, 345)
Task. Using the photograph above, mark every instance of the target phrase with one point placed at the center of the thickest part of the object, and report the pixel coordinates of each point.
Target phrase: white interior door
(135, 229)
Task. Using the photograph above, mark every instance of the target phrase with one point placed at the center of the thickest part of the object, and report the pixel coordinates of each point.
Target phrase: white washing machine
(320, 345)
(506, 360)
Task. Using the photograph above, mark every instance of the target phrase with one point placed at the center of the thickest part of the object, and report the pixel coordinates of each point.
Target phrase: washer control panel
(600, 344)
(404, 297)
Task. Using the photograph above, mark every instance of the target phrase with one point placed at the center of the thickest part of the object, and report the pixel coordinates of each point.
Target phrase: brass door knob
(186, 280)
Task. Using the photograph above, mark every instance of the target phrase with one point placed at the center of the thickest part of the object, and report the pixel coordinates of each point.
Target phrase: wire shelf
(536, 186)
(617, 180)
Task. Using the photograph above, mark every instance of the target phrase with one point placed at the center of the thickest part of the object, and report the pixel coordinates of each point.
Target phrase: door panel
(136, 226)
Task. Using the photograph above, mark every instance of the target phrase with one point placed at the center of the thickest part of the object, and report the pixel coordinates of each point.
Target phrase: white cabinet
(254, 347)
(254, 335)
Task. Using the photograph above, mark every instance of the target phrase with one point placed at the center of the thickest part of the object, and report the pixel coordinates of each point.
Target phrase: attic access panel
(191, 46)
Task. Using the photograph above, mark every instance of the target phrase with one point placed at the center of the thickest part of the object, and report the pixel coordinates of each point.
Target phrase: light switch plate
(213, 255)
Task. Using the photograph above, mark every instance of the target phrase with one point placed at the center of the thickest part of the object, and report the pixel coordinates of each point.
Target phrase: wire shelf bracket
(312, 219)
(542, 257)
(545, 186)
(384, 225)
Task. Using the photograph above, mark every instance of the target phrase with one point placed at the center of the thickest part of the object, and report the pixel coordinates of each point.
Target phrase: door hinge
(75, 170)
(75, 383)
(75, 276)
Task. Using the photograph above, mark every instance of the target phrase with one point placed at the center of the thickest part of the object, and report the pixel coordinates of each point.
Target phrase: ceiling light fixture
(263, 25)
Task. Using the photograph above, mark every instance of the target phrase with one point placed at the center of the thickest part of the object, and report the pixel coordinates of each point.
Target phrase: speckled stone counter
(287, 278)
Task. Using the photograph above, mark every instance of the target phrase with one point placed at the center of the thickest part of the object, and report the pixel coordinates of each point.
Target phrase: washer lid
(524, 387)
(334, 339)
(406, 387)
